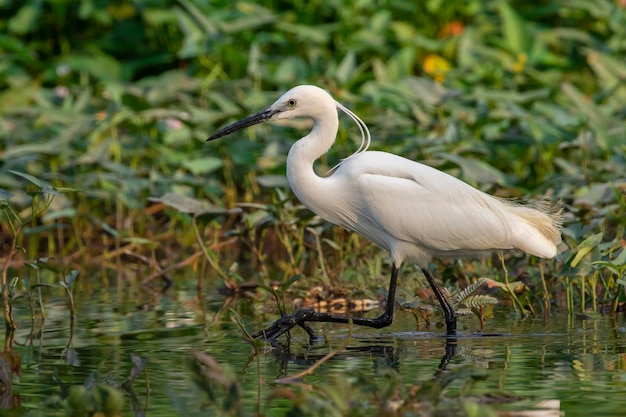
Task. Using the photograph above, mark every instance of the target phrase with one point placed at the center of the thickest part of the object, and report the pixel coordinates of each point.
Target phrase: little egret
(410, 209)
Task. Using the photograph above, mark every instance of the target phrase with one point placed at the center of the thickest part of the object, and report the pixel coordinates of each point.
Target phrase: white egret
(414, 211)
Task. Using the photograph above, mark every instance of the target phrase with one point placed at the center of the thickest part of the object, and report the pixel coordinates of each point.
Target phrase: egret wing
(416, 203)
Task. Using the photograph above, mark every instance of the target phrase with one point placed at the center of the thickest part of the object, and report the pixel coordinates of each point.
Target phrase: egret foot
(286, 323)
(301, 317)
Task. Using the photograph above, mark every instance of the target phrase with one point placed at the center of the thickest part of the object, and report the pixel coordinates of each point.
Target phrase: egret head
(300, 101)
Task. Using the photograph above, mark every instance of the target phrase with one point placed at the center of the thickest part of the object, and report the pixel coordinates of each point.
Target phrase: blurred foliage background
(106, 104)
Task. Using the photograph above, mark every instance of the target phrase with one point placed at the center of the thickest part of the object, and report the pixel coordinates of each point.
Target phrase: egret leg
(285, 323)
(448, 311)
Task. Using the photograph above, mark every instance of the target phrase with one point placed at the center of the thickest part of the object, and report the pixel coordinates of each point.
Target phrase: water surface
(578, 361)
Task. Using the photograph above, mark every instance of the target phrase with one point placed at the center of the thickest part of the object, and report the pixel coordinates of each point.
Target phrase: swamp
(137, 259)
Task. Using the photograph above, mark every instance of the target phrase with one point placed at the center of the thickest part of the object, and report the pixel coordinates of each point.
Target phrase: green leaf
(608, 265)
(290, 70)
(478, 300)
(201, 166)
(586, 107)
(400, 64)
(621, 258)
(182, 203)
(51, 215)
(100, 66)
(587, 246)
(190, 205)
(272, 181)
(64, 190)
(594, 194)
(71, 278)
(425, 90)
(48, 148)
(110, 230)
(514, 28)
(311, 34)
(332, 244)
(346, 69)
(41, 285)
(24, 20)
(41, 264)
(141, 241)
(198, 17)
(284, 286)
(476, 170)
(36, 181)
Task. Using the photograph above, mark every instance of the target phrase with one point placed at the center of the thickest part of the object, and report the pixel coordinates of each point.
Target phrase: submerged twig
(237, 319)
(6, 293)
(170, 268)
(208, 254)
(517, 305)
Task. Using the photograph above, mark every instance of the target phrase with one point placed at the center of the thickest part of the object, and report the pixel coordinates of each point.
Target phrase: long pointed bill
(255, 119)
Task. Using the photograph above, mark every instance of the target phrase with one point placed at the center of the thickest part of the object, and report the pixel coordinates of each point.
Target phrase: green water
(579, 362)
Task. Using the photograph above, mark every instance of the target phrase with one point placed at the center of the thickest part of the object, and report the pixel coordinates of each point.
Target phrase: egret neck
(303, 180)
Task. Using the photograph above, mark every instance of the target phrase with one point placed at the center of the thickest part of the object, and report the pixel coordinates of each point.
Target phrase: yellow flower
(436, 66)
(518, 66)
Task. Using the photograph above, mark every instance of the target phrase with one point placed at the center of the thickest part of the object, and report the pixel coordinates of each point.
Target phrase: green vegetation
(105, 107)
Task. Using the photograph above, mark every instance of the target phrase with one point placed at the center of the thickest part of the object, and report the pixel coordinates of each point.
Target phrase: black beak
(255, 119)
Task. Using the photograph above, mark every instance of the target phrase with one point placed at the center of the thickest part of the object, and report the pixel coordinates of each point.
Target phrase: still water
(576, 363)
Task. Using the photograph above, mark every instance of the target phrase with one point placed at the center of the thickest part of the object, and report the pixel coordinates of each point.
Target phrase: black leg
(450, 353)
(448, 312)
(285, 323)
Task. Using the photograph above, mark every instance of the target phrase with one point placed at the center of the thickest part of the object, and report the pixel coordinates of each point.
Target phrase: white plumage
(410, 209)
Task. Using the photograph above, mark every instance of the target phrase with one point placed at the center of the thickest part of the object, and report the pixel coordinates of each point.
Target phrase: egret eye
(291, 102)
